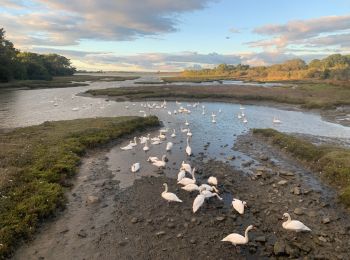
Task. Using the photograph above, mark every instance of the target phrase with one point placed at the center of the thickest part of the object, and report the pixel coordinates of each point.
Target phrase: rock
(298, 211)
(326, 220)
(180, 235)
(231, 158)
(296, 191)
(286, 173)
(92, 199)
(279, 248)
(282, 182)
(160, 233)
(322, 239)
(264, 157)
(82, 233)
(134, 220)
(292, 251)
(312, 214)
(220, 218)
(247, 163)
(123, 243)
(261, 239)
(193, 241)
(170, 225)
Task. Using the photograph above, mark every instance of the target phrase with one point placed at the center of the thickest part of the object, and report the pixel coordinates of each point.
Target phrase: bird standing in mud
(294, 225)
(169, 196)
(237, 239)
(239, 205)
(135, 167)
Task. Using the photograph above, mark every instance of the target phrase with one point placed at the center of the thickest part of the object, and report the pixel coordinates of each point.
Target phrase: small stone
(264, 157)
(298, 211)
(92, 199)
(134, 220)
(261, 239)
(220, 218)
(279, 248)
(322, 239)
(123, 243)
(193, 220)
(282, 182)
(193, 241)
(171, 225)
(179, 235)
(326, 220)
(286, 173)
(160, 233)
(296, 191)
(82, 233)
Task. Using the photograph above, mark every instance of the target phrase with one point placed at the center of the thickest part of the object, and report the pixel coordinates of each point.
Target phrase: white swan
(134, 143)
(161, 136)
(208, 194)
(186, 166)
(155, 139)
(208, 187)
(143, 139)
(152, 159)
(184, 130)
(189, 133)
(128, 147)
(146, 147)
(188, 148)
(185, 181)
(181, 175)
(169, 113)
(190, 187)
(187, 123)
(213, 120)
(239, 205)
(294, 225)
(245, 120)
(213, 180)
(156, 142)
(135, 167)
(275, 120)
(237, 239)
(169, 196)
(198, 202)
(169, 146)
(160, 163)
(173, 135)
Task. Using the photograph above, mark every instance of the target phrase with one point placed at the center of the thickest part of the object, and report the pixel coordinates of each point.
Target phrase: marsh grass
(332, 162)
(36, 163)
(307, 95)
(64, 82)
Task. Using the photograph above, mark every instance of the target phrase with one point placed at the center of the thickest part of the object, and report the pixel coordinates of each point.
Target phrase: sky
(168, 35)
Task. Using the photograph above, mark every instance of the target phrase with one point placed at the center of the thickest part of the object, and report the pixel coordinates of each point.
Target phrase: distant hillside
(333, 67)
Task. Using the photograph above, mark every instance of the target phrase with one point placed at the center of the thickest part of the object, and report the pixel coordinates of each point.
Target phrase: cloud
(318, 31)
(63, 22)
(170, 61)
(234, 30)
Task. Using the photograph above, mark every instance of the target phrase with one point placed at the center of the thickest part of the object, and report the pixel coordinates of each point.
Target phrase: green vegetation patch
(36, 163)
(333, 162)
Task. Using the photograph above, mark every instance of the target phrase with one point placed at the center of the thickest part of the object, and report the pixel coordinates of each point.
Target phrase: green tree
(8, 61)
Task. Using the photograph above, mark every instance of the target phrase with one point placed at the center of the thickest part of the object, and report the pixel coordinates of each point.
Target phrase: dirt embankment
(105, 222)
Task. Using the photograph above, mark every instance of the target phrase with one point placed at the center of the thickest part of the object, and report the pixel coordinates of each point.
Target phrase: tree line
(17, 65)
(333, 67)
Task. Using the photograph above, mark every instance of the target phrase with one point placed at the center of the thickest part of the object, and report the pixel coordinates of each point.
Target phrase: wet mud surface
(104, 221)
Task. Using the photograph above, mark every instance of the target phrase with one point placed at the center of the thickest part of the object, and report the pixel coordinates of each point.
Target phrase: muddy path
(103, 221)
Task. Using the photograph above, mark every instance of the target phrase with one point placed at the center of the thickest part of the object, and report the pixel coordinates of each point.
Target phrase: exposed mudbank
(104, 221)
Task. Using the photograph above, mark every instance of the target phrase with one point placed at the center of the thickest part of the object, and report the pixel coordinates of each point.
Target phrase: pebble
(326, 220)
(264, 157)
(282, 182)
(160, 233)
(92, 199)
(279, 248)
(193, 241)
(296, 191)
(260, 239)
(298, 211)
(82, 233)
(220, 218)
(134, 220)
